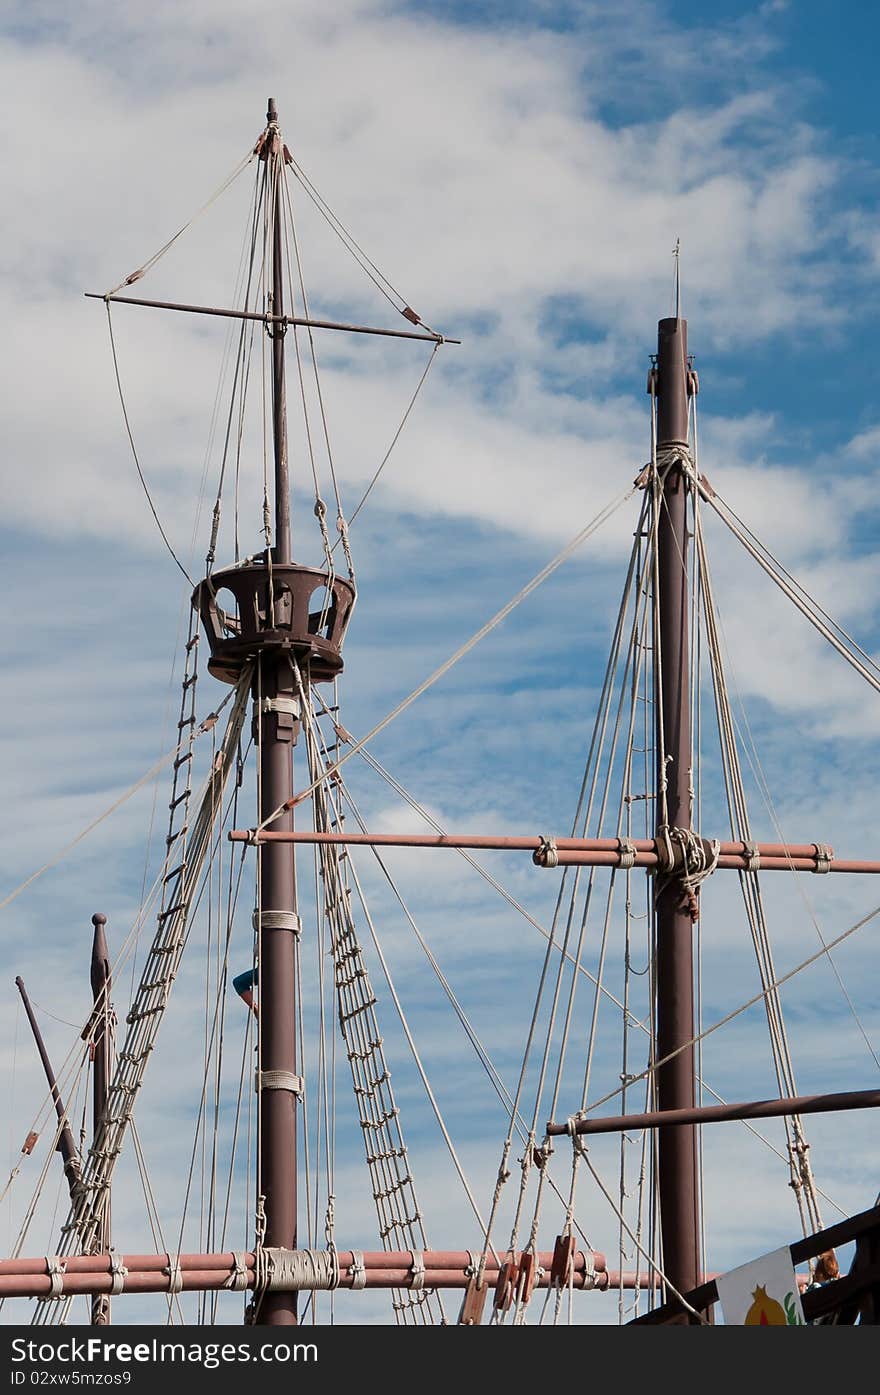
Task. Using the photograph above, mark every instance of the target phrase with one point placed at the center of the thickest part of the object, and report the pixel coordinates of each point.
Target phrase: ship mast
(672, 382)
(278, 928)
(102, 1046)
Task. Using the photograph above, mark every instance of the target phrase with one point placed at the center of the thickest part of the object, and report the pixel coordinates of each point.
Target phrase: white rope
(55, 1270)
(536, 581)
(578, 1144)
(740, 827)
(175, 1274)
(744, 1007)
(393, 1186)
(289, 1271)
(796, 593)
(118, 1271)
(237, 1280)
(485, 1060)
(148, 1008)
(151, 261)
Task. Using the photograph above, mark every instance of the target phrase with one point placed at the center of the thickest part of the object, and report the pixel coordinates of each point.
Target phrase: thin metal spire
(676, 252)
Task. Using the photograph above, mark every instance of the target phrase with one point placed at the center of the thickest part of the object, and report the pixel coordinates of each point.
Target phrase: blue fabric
(242, 982)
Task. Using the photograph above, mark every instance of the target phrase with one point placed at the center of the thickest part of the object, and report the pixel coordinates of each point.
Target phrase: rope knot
(687, 859)
(627, 850)
(546, 854)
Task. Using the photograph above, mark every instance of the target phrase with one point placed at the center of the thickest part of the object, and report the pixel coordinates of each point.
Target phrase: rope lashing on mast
(295, 1270)
(666, 457)
(278, 920)
(279, 1080)
(687, 859)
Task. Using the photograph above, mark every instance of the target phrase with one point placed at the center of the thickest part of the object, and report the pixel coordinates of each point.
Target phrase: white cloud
(485, 171)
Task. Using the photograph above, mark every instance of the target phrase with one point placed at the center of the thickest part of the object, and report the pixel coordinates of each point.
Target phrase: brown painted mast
(273, 629)
(277, 734)
(101, 1045)
(66, 1145)
(677, 1147)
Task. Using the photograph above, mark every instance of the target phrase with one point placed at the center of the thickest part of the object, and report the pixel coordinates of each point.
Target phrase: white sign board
(762, 1293)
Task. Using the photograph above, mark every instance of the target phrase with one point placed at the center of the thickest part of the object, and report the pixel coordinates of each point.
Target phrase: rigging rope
(395, 438)
(740, 826)
(796, 593)
(400, 1217)
(382, 284)
(151, 261)
(146, 488)
(145, 1017)
(743, 1007)
(536, 581)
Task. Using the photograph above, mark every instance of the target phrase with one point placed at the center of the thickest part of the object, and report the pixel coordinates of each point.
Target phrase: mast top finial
(272, 113)
(99, 919)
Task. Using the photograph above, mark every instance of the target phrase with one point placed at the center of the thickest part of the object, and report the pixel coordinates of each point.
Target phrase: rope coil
(824, 857)
(55, 1270)
(292, 1270)
(628, 851)
(357, 1270)
(687, 859)
(547, 854)
(277, 920)
(417, 1268)
(174, 1272)
(279, 1080)
(281, 704)
(752, 857)
(237, 1279)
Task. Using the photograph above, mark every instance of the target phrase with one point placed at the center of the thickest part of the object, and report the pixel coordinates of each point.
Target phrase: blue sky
(521, 172)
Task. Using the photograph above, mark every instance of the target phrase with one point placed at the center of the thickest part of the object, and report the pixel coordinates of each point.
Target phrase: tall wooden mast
(274, 705)
(679, 1197)
(271, 631)
(102, 1043)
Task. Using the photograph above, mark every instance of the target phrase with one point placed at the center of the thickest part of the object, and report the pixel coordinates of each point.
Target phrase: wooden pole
(101, 1046)
(276, 729)
(677, 1148)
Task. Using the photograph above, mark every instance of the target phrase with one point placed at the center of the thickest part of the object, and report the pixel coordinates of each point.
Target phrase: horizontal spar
(583, 852)
(715, 1113)
(284, 320)
(161, 1273)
